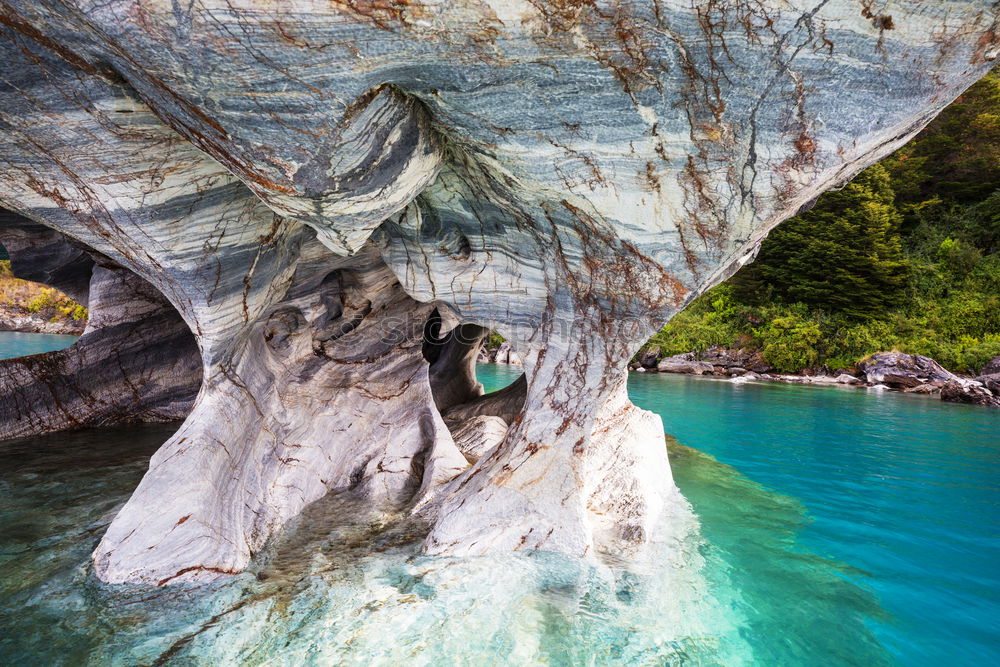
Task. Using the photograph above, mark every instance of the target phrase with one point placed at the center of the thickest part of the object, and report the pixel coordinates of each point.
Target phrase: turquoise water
(825, 526)
(17, 344)
(902, 491)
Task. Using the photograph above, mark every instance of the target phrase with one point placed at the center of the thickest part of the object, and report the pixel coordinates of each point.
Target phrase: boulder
(923, 389)
(649, 357)
(992, 367)
(991, 382)
(680, 365)
(973, 393)
(900, 370)
(727, 358)
(844, 378)
(505, 354)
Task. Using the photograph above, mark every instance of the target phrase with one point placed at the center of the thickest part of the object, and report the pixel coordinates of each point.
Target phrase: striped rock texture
(313, 184)
(136, 360)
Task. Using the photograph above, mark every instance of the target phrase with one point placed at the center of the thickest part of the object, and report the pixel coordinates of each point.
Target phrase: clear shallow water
(902, 489)
(17, 344)
(900, 493)
(833, 527)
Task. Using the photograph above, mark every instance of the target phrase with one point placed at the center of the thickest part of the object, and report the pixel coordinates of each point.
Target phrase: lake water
(900, 494)
(17, 344)
(826, 526)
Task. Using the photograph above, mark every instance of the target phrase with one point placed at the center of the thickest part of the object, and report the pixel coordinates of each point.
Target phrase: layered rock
(136, 360)
(314, 185)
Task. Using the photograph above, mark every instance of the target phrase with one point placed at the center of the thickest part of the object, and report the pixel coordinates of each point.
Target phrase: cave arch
(546, 178)
(137, 359)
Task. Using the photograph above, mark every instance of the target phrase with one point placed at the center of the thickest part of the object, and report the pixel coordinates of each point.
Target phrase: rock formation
(136, 360)
(972, 392)
(312, 185)
(898, 369)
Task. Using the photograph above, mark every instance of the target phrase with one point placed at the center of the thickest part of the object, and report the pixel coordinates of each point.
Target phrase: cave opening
(133, 358)
(477, 419)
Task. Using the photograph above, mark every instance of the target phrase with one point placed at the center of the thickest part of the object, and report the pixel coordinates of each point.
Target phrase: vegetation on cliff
(905, 257)
(35, 301)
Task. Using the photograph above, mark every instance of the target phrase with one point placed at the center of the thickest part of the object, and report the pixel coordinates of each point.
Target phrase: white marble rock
(312, 184)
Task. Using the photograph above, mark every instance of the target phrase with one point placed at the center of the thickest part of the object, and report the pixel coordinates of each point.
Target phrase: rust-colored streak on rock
(988, 45)
(880, 21)
(381, 13)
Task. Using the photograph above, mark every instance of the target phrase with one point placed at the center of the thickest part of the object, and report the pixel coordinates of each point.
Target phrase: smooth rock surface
(307, 183)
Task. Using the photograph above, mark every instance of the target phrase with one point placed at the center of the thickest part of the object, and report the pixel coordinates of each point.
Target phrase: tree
(842, 256)
(956, 158)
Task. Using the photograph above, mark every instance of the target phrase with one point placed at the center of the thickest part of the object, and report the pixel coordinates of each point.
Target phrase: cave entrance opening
(478, 420)
(133, 358)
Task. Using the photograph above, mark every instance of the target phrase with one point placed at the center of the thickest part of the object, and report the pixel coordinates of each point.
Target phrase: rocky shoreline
(888, 371)
(883, 371)
(15, 318)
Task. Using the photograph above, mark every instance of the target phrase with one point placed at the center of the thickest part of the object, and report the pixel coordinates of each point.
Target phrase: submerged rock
(317, 187)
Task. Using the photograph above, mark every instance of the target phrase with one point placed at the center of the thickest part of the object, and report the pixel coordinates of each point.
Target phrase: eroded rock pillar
(329, 392)
(580, 471)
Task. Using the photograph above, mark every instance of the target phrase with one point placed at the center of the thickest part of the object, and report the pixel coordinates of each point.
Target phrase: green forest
(906, 257)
